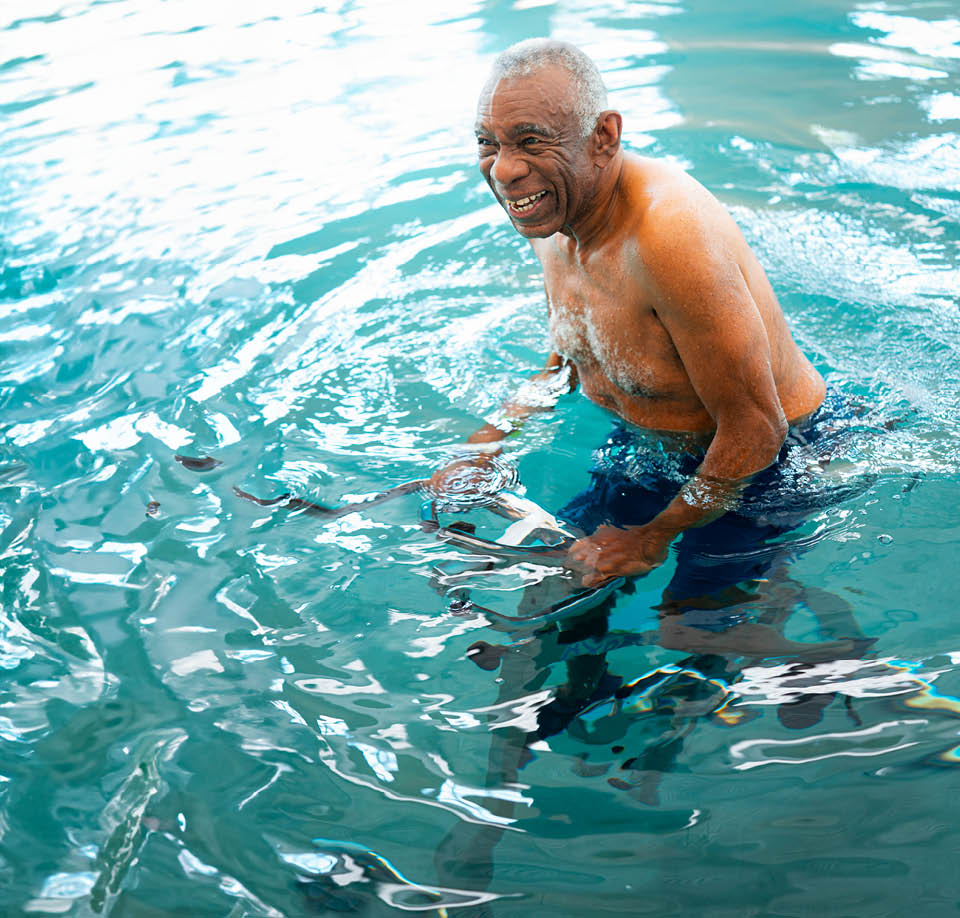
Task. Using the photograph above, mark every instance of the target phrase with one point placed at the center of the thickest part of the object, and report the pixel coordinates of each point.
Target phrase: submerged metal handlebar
(531, 525)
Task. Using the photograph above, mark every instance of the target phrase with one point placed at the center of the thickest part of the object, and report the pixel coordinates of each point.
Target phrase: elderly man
(657, 306)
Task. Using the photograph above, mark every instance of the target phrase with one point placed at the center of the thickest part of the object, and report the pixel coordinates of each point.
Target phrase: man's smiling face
(532, 153)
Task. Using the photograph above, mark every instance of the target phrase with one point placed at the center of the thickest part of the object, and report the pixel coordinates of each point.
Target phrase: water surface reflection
(262, 239)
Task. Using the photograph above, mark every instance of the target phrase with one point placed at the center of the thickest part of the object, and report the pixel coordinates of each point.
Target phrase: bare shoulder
(686, 240)
(678, 213)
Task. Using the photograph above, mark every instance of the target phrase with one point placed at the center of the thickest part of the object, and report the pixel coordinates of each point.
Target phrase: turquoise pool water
(257, 233)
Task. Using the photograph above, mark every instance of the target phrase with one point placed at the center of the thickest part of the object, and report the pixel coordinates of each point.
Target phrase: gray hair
(530, 56)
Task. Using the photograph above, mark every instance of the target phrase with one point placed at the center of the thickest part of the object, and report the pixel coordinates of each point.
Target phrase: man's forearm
(734, 457)
(539, 393)
(737, 452)
(700, 501)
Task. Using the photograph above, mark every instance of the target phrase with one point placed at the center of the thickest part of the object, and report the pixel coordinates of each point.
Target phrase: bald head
(589, 95)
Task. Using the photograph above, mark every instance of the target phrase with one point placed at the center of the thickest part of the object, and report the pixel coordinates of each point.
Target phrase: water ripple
(262, 239)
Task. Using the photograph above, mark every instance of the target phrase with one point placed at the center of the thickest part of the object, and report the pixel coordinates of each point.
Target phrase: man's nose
(508, 167)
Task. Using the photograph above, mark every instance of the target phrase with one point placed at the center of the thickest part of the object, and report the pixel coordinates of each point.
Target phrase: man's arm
(539, 393)
(706, 307)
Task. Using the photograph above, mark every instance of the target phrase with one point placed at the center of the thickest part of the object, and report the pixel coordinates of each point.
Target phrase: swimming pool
(262, 238)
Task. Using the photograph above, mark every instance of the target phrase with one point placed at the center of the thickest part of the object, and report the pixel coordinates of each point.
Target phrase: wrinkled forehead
(545, 97)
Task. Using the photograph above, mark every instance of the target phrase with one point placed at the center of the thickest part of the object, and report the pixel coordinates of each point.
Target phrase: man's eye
(530, 141)
(484, 142)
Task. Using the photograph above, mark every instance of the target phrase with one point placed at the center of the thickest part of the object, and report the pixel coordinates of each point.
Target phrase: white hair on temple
(532, 55)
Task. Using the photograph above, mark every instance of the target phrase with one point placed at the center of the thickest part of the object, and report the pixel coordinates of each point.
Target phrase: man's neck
(601, 220)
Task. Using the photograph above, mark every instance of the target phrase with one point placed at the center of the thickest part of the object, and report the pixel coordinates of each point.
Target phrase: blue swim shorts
(635, 476)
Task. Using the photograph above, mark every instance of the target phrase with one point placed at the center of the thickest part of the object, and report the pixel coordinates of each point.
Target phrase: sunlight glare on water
(259, 236)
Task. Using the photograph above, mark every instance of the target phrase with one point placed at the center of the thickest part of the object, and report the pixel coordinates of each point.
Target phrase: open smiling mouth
(523, 207)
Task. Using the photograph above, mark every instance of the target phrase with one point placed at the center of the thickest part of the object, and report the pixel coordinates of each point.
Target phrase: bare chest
(603, 321)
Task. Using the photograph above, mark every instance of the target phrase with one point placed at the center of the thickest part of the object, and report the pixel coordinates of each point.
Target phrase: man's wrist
(657, 533)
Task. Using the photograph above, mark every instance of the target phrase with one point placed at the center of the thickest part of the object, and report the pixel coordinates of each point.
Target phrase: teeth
(528, 202)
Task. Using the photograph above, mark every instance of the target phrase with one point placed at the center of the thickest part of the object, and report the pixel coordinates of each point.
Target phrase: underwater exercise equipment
(289, 502)
(538, 572)
(527, 562)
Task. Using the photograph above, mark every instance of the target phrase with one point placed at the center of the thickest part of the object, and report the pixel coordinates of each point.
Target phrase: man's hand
(611, 552)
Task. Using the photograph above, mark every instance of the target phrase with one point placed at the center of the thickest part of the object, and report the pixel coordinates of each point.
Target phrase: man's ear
(606, 136)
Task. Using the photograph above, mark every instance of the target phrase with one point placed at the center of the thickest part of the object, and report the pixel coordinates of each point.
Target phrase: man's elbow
(774, 427)
(758, 434)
